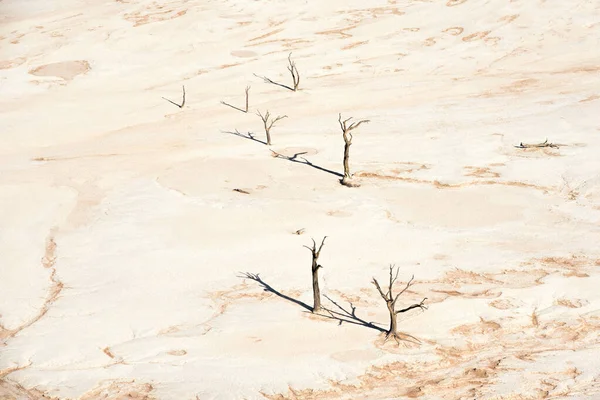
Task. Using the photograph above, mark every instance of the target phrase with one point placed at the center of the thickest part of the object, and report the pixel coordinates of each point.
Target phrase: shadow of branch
(350, 317)
(249, 136)
(304, 161)
(234, 107)
(342, 315)
(268, 288)
(267, 80)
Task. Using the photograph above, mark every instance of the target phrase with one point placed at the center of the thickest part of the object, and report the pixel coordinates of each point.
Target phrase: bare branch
(379, 289)
(321, 246)
(404, 290)
(421, 305)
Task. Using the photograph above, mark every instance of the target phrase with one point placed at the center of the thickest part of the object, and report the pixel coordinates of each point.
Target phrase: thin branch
(267, 80)
(421, 305)
(379, 289)
(407, 286)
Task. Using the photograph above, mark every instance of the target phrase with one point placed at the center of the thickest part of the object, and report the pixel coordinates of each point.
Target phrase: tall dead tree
(347, 134)
(294, 71)
(315, 274)
(269, 122)
(390, 301)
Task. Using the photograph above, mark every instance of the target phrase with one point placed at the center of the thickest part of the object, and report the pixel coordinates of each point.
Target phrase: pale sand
(123, 243)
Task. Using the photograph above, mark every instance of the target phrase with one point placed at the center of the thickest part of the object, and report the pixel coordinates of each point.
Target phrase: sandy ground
(124, 246)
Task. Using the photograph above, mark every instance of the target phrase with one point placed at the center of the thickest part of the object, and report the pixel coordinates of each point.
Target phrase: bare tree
(182, 100)
(294, 71)
(237, 108)
(269, 122)
(247, 91)
(295, 76)
(347, 133)
(315, 274)
(390, 301)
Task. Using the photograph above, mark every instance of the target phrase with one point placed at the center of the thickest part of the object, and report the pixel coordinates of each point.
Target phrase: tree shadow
(304, 161)
(350, 317)
(342, 315)
(249, 136)
(268, 288)
(234, 107)
(267, 80)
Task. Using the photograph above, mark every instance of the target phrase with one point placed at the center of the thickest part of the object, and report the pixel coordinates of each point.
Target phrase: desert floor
(131, 229)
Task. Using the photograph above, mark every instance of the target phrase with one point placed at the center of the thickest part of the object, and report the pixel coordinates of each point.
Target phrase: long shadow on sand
(249, 136)
(338, 313)
(304, 161)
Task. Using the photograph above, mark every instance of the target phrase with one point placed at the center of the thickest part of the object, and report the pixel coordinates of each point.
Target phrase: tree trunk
(346, 160)
(316, 290)
(393, 324)
(268, 137)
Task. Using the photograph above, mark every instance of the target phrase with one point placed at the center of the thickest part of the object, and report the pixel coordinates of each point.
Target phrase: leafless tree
(295, 76)
(269, 122)
(237, 108)
(182, 100)
(347, 134)
(315, 274)
(294, 71)
(390, 301)
(247, 95)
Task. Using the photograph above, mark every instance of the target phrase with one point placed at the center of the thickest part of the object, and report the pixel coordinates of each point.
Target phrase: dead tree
(295, 76)
(182, 100)
(315, 274)
(245, 110)
(347, 134)
(269, 122)
(390, 301)
(294, 71)
(247, 91)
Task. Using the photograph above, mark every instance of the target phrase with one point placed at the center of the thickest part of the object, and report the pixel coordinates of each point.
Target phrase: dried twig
(536, 145)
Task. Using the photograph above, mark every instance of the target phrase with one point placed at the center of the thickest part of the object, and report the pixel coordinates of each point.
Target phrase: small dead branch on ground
(390, 301)
(347, 134)
(315, 274)
(182, 100)
(537, 145)
(241, 191)
(269, 122)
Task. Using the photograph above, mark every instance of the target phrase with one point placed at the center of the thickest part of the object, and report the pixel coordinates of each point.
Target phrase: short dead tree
(237, 108)
(295, 76)
(182, 100)
(390, 301)
(294, 71)
(315, 274)
(269, 122)
(347, 134)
